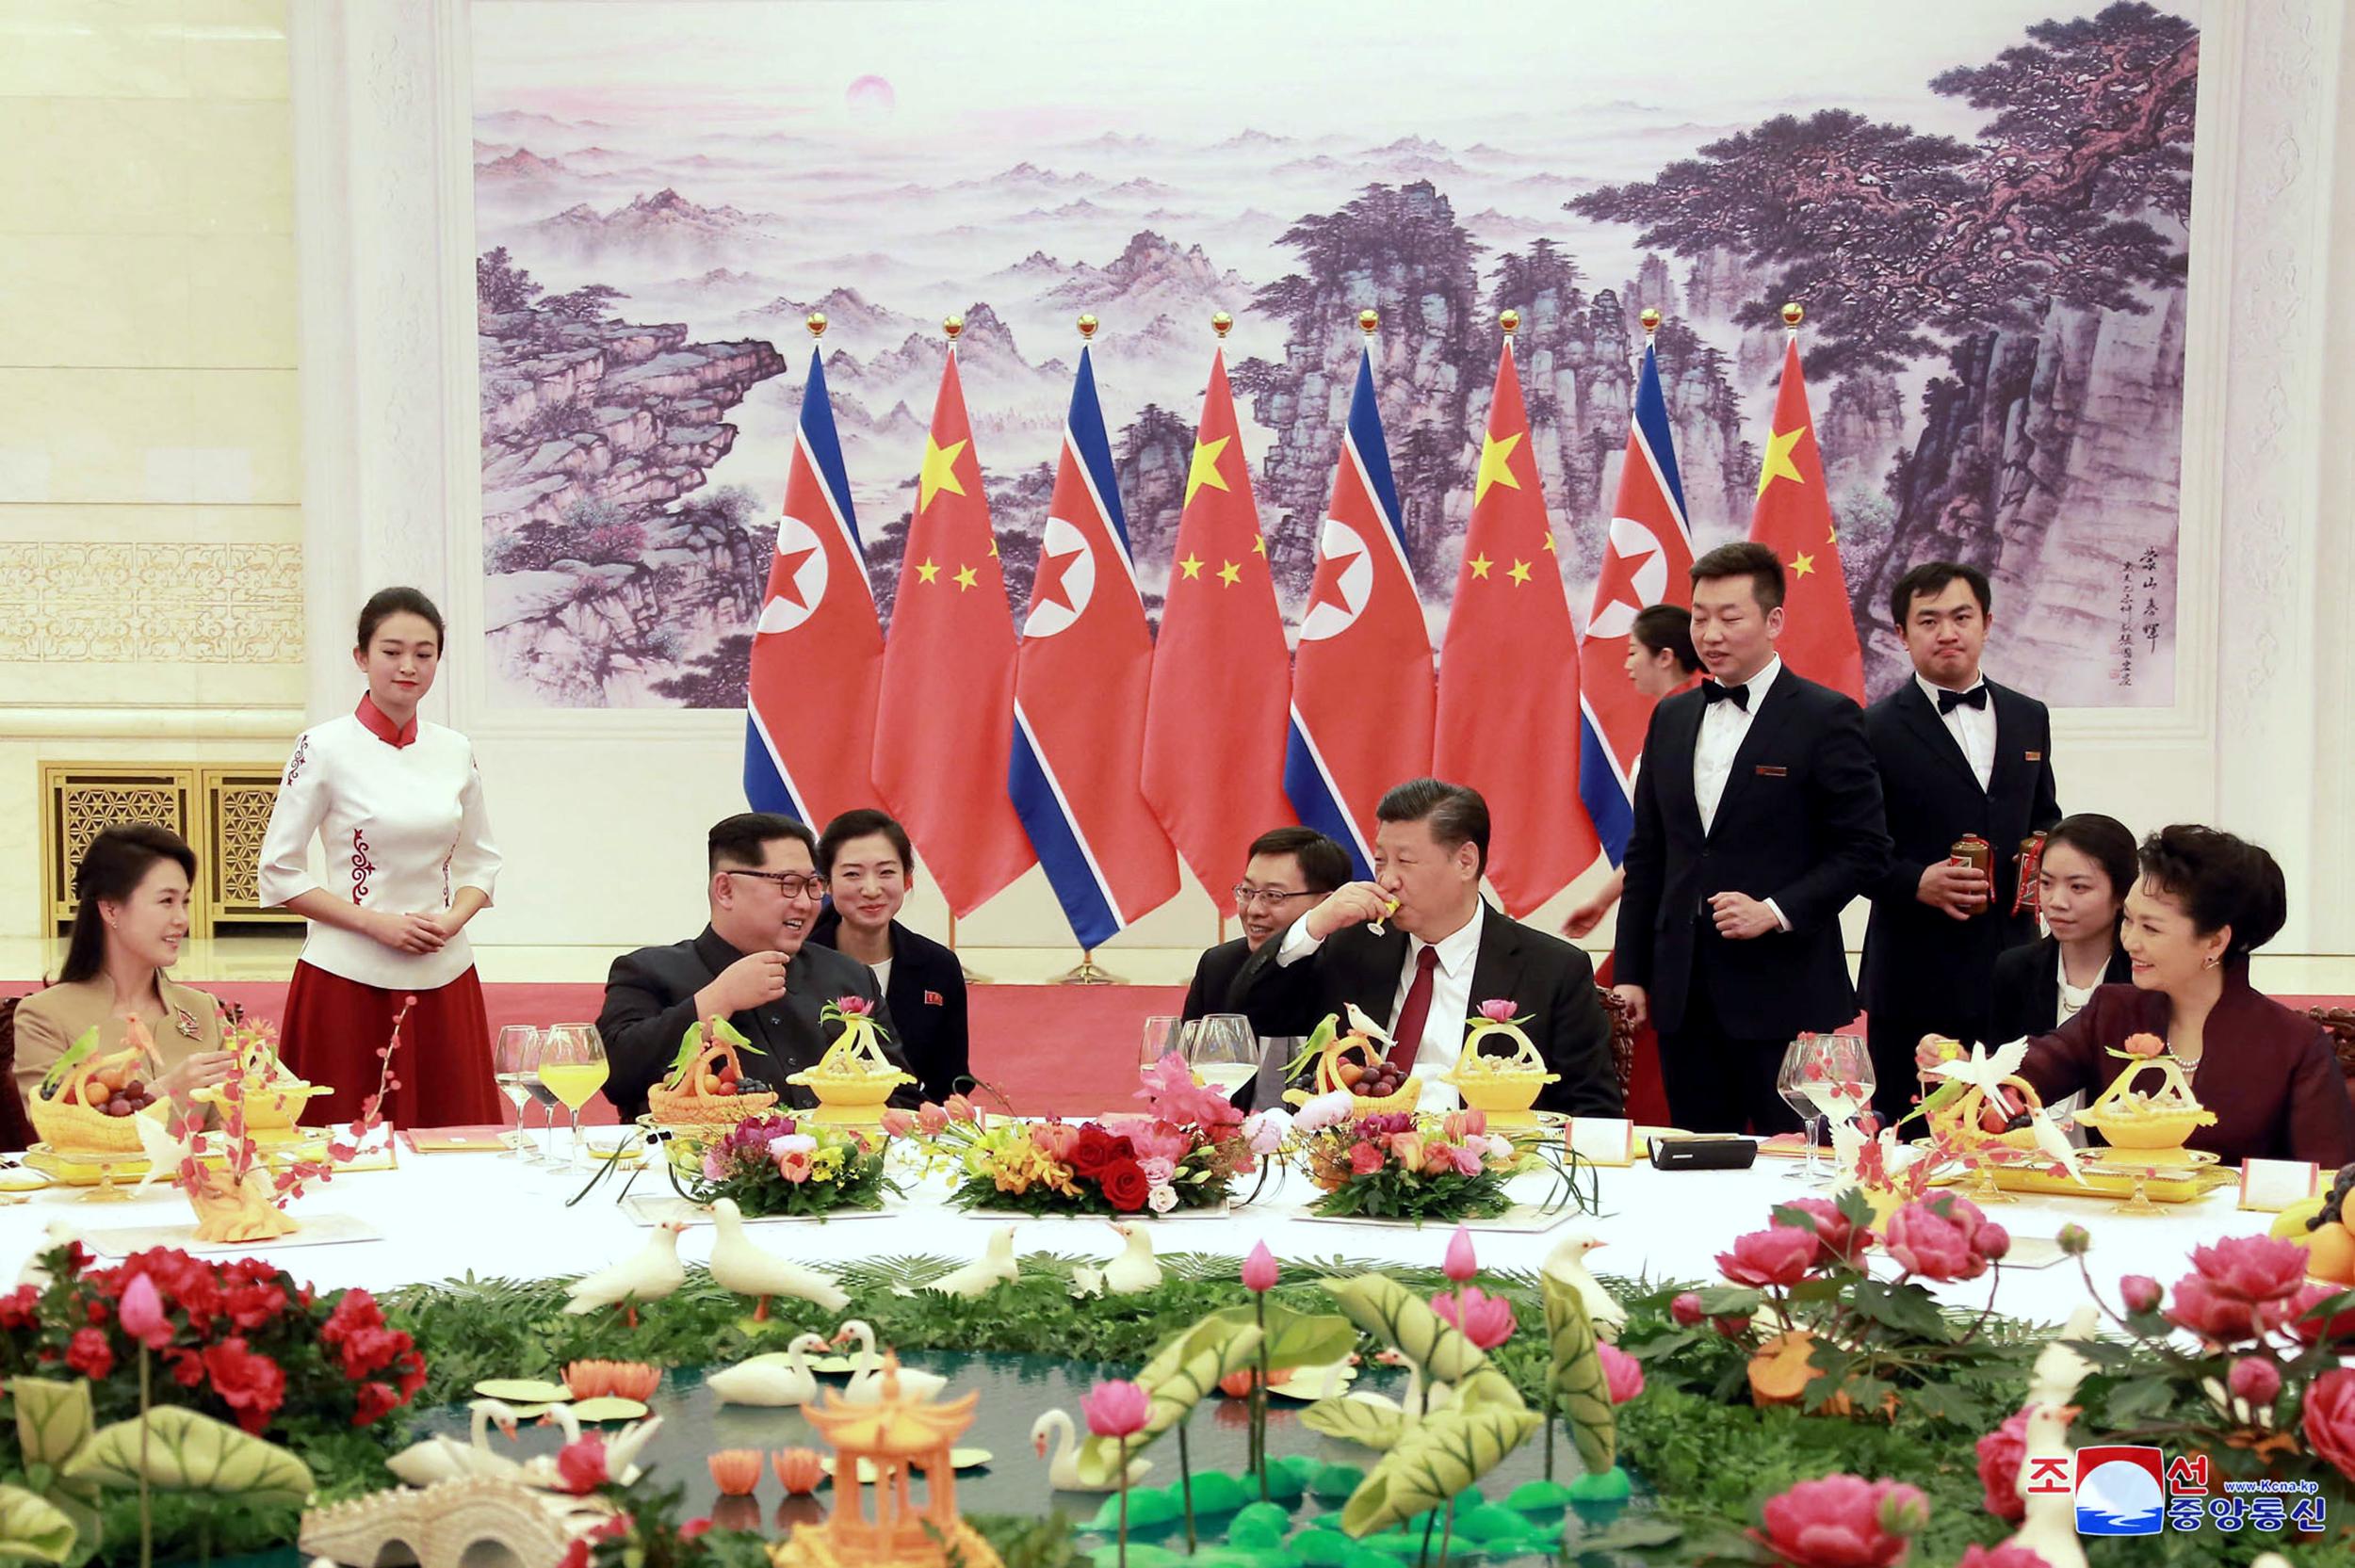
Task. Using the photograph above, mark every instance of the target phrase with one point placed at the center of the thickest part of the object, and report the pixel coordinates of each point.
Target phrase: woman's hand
(204, 1069)
(406, 934)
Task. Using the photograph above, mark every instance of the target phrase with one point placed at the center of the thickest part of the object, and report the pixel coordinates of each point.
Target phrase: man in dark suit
(753, 965)
(1419, 950)
(1289, 869)
(1957, 754)
(1758, 817)
(870, 866)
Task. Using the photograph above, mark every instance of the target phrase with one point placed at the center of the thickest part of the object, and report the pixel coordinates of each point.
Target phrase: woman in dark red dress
(2206, 900)
(397, 806)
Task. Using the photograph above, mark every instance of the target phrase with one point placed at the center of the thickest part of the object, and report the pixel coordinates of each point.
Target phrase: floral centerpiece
(783, 1165)
(1399, 1165)
(1183, 1152)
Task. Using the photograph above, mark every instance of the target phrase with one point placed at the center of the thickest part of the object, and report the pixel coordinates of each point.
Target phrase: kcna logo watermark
(2127, 1489)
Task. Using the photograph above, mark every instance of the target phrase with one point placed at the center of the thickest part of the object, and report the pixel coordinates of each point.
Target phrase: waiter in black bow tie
(1758, 817)
(1958, 756)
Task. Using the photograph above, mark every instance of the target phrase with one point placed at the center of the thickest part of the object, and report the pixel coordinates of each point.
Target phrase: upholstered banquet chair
(2339, 1023)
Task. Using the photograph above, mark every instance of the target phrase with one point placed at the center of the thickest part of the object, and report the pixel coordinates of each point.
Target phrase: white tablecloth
(447, 1215)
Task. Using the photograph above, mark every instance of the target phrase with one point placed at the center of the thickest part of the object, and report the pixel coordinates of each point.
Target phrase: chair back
(1622, 1040)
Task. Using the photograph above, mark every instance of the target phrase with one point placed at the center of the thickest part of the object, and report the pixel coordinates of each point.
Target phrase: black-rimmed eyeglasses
(791, 883)
(1274, 897)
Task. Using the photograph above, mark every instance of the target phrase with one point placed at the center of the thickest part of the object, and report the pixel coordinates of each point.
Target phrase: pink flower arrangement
(1172, 1095)
(1837, 1240)
(1843, 1522)
(2330, 1419)
(2218, 1318)
(1622, 1374)
(1778, 1255)
(1940, 1239)
(2338, 1327)
(1485, 1320)
(1115, 1408)
(2001, 1453)
(2253, 1269)
(2255, 1380)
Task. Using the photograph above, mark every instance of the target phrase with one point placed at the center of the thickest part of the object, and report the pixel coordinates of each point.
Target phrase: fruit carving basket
(854, 1079)
(1352, 1061)
(2152, 1125)
(73, 1113)
(1503, 1087)
(703, 1092)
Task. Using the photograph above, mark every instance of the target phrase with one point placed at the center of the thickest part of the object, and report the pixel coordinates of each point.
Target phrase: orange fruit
(1349, 1072)
(95, 1094)
(2330, 1254)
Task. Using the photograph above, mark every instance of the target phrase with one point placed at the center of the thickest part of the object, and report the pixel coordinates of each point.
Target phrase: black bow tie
(1713, 691)
(1949, 701)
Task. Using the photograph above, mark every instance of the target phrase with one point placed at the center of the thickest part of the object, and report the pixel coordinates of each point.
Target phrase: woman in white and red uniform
(397, 806)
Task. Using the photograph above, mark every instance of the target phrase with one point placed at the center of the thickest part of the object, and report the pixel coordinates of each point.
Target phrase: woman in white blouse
(397, 804)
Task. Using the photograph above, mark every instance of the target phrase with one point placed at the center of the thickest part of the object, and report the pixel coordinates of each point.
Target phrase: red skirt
(333, 1028)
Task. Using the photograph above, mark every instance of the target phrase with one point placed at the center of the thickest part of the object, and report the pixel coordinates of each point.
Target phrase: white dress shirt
(1450, 999)
(400, 815)
(1974, 728)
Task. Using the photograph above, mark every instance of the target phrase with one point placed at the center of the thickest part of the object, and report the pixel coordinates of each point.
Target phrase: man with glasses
(753, 965)
(1288, 870)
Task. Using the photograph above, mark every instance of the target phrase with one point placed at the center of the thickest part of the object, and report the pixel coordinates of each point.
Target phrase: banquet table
(447, 1215)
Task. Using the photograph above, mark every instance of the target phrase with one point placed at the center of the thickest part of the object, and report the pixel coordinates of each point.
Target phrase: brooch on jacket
(185, 1022)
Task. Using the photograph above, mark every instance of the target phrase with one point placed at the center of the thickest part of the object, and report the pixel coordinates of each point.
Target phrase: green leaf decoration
(32, 1528)
(189, 1452)
(1488, 1389)
(1181, 1374)
(1392, 1313)
(1574, 1371)
(1439, 1457)
(53, 1419)
(1299, 1338)
(66, 1063)
(1356, 1421)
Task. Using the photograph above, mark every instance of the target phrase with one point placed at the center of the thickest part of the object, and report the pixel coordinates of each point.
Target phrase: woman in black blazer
(2090, 863)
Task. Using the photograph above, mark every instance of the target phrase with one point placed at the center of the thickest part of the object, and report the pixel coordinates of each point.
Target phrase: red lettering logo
(2048, 1475)
(2187, 1476)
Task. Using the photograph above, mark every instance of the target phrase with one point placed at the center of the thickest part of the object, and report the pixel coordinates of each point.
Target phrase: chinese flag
(944, 720)
(1508, 717)
(1793, 519)
(1215, 714)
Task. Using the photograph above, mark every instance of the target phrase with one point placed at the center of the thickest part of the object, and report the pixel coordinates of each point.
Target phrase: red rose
(375, 1401)
(21, 1308)
(1780, 1254)
(1124, 1184)
(1365, 1159)
(1837, 1240)
(90, 1354)
(250, 1385)
(1092, 1152)
(2000, 1453)
(2253, 1268)
(2329, 1423)
(1843, 1522)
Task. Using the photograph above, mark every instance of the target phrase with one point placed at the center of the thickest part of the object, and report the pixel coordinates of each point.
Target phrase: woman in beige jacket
(131, 915)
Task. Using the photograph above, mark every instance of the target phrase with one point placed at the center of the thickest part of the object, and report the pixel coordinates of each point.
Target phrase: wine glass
(1160, 1038)
(1789, 1080)
(572, 1068)
(1826, 1079)
(1223, 1051)
(515, 1068)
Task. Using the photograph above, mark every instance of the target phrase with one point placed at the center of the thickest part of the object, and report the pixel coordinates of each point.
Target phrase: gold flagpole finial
(953, 326)
(1222, 323)
(817, 324)
(1510, 320)
(1650, 320)
(1369, 321)
(1087, 327)
(1791, 317)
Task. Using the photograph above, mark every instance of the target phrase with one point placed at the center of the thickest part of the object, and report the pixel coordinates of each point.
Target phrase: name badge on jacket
(1766, 772)
(2035, 756)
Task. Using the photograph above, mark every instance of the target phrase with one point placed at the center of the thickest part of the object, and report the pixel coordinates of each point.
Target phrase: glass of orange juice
(572, 1068)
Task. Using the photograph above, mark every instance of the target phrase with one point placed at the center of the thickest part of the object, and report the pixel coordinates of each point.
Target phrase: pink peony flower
(1364, 1160)
(1937, 1246)
(1461, 1264)
(1780, 1254)
(2143, 1045)
(2338, 1328)
(1264, 1132)
(1485, 1320)
(1992, 1242)
(141, 1311)
(1843, 1522)
(2218, 1318)
(1115, 1408)
(1496, 1011)
(856, 1007)
(2253, 1268)
(897, 1122)
(2001, 1452)
(2140, 1293)
(1259, 1269)
(1622, 1374)
(2005, 1554)
(1326, 1110)
(2254, 1379)
(1837, 1240)
(1686, 1309)
(1055, 1140)
(2330, 1419)
(1159, 1140)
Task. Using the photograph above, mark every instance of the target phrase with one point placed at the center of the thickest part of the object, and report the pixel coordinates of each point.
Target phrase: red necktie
(1406, 1039)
